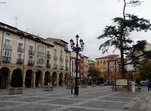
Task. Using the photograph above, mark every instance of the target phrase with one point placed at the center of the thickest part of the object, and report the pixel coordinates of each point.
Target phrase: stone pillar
(133, 86)
(9, 79)
(24, 77)
(57, 79)
(42, 79)
(63, 80)
(34, 79)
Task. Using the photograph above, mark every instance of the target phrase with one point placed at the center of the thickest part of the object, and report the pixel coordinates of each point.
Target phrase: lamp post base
(76, 90)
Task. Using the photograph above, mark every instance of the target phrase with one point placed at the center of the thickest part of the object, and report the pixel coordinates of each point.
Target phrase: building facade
(33, 57)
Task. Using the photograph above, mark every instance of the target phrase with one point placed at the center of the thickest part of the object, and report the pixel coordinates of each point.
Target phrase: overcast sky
(64, 19)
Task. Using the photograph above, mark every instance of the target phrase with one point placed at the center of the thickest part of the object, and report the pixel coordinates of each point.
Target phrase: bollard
(133, 86)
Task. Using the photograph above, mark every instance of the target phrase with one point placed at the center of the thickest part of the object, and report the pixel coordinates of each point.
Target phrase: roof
(107, 57)
(16, 31)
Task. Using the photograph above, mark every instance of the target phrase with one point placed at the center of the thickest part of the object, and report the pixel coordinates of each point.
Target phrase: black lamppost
(76, 49)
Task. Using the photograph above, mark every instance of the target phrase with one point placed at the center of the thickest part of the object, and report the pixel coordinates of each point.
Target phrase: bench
(16, 90)
(48, 88)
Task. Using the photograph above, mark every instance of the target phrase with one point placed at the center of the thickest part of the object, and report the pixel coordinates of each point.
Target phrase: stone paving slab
(61, 99)
(104, 104)
(31, 107)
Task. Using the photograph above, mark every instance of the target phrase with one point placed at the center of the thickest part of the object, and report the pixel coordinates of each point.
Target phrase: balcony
(48, 56)
(6, 59)
(19, 61)
(61, 59)
(66, 68)
(30, 62)
(31, 52)
(48, 65)
(55, 66)
(61, 67)
(41, 62)
(21, 50)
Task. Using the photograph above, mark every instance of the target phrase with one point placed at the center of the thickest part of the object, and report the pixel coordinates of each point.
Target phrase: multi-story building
(32, 57)
(73, 65)
(91, 63)
(114, 65)
(81, 68)
(60, 63)
(103, 62)
(86, 66)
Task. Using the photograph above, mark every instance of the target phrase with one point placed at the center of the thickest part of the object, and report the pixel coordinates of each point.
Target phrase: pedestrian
(138, 84)
(149, 85)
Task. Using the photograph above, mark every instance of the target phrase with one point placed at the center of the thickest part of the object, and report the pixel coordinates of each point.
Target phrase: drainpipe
(24, 63)
(2, 48)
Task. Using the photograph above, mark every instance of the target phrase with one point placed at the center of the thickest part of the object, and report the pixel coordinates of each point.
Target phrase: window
(19, 56)
(6, 43)
(30, 58)
(31, 48)
(7, 48)
(20, 47)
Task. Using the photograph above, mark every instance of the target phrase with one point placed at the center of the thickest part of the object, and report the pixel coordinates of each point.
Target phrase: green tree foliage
(48, 78)
(94, 72)
(138, 51)
(118, 35)
(145, 70)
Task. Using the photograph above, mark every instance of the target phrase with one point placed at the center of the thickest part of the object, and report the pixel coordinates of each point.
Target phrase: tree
(145, 70)
(138, 51)
(115, 76)
(118, 35)
(94, 72)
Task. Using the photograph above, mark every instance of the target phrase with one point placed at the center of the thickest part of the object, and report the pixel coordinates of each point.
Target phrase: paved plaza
(100, 98)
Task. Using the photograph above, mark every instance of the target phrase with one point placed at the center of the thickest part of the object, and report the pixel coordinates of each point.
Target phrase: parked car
(143, 83)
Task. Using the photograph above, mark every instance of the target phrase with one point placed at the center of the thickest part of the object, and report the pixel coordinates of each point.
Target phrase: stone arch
(38, 78)
(66, 79)
(29, 78)
(47, 78)
(17, 78)
(4, 77)
(54, 79)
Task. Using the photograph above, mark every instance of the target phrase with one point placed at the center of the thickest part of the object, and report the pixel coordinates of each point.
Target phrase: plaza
(100, 98)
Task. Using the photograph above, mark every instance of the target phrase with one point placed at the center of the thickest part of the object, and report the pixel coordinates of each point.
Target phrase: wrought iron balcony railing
(19, 61)
(6, 59)
(48, 56)
(21, 50)
(30, 62)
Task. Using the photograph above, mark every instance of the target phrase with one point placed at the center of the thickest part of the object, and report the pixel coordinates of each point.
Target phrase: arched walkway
(29, 79)
(54, 79)
(4, 77)
(60, 79)
(17, 78)
(47, 78)
(38, 82)
(66, 79)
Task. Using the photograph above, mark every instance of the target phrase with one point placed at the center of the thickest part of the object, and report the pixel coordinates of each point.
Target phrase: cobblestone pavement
(99, 98)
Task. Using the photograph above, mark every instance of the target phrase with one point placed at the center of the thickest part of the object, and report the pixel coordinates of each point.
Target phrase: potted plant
(48, 83)
(84, 83)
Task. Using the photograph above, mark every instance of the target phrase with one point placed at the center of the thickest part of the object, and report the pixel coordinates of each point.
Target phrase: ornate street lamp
(76, 48)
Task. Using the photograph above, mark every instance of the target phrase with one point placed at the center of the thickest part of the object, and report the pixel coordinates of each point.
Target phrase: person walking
(149, 85)
(138, 84)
